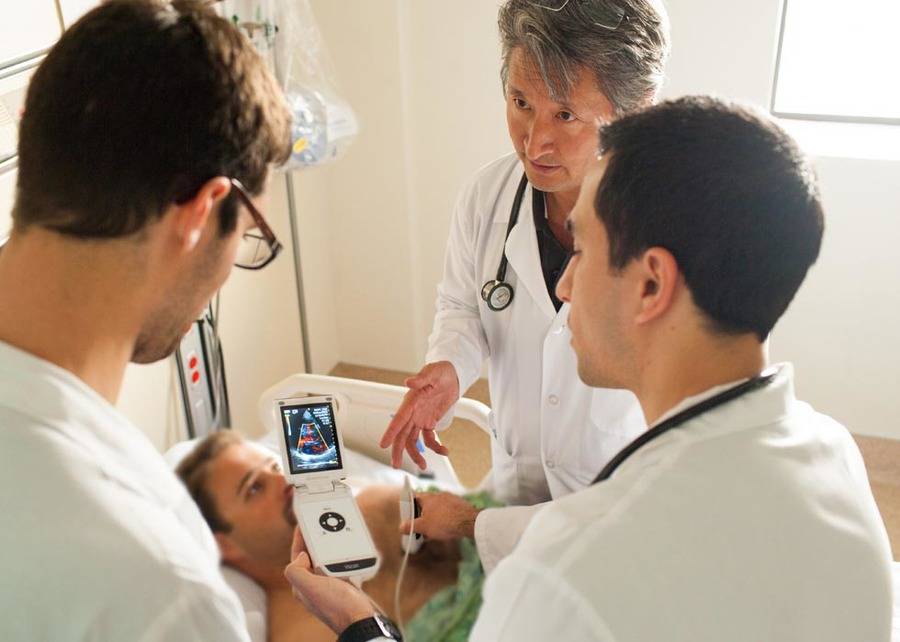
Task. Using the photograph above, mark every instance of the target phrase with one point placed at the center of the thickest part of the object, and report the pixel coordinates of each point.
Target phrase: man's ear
(192, 216)
(231, 551)
(658, 281)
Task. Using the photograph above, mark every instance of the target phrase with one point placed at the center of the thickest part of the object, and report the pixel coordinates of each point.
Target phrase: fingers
(417, 382)
(417, 412)
(399, 422)
(425, 377)
(298, 546)
(418, 526)
(412, 448)
(433, 442)
(397, 450)
(297, 571)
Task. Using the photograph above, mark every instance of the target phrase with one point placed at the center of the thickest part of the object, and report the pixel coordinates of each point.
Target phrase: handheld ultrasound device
(333, 528)
(410, 509)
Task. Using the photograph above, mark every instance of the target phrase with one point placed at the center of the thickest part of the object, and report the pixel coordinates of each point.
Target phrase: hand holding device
(335, 602)
(444, 516)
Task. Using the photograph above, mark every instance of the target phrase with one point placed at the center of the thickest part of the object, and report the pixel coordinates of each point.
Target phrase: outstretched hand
(431, 394)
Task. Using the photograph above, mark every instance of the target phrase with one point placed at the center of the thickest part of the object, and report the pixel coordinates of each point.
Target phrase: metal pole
(298, 270)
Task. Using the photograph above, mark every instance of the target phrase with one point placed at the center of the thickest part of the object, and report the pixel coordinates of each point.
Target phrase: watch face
(376, 626)
(387, 628)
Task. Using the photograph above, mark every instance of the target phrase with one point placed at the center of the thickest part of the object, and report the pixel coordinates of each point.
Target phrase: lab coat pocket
(515, 479)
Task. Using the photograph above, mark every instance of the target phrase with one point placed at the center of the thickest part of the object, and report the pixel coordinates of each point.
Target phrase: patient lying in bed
(245, 500)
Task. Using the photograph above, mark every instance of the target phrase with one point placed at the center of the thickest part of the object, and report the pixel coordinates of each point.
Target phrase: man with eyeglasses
(567, 67)
(148, 131)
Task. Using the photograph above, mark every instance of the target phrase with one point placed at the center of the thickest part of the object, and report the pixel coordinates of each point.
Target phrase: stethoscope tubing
(763, 379)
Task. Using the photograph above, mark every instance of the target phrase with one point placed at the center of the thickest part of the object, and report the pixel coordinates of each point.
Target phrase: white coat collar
(524, 256)
(757, 408)
(59, 400)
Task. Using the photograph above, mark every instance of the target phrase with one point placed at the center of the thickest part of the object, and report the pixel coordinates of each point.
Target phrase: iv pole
(298, 269)
(250, 28)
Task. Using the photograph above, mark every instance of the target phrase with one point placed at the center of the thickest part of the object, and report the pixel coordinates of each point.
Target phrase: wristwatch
(371, 628)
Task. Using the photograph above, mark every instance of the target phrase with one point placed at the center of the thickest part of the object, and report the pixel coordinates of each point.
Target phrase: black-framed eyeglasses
(258, 247)
(598, 13)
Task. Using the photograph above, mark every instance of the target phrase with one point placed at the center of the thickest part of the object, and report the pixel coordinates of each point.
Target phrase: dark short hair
(137, 105)
(727, 192)
(194, 469)
(627, 63)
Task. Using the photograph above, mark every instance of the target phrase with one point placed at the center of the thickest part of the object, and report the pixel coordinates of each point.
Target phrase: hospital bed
(363, 411)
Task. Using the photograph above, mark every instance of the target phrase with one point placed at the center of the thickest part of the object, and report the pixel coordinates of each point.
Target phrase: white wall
(423, 76)
(317, 250)
(457, 122)
(367, 189)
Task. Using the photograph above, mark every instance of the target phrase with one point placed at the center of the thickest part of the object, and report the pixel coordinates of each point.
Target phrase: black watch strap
(371, 628)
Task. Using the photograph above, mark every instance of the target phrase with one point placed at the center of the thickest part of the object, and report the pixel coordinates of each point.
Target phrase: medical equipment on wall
(336, 536)
(763, 379)
(286, 35)
(201, 375)
(498, 294)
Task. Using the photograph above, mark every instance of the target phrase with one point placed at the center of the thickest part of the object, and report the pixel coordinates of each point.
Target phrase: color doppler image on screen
(309, 433)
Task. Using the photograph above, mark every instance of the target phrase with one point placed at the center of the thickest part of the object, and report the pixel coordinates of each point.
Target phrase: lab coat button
(553, 400)
(550, 463)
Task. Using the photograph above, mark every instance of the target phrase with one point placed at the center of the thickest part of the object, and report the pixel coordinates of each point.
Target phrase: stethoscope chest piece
(497, 294)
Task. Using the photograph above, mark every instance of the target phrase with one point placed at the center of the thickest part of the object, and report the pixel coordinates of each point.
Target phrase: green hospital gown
(451, 613)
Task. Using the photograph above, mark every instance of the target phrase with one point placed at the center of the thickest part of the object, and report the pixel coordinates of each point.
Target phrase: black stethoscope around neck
(763, 379)
(497, 293)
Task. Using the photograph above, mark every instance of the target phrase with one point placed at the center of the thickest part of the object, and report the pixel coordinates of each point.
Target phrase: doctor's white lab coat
(551, 434)
(753, 521)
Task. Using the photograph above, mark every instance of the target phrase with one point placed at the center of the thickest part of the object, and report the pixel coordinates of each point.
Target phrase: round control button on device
(331, 521)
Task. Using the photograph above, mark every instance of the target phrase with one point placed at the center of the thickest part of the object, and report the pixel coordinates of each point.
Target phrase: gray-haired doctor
(567, 67)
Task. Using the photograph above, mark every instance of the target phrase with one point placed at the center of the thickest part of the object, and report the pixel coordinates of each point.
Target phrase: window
(839, 61)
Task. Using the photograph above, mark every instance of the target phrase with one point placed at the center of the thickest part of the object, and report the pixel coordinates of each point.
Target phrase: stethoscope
(763, 379)
(498, 294)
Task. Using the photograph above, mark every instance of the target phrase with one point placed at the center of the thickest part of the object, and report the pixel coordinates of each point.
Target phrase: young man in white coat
(147, 129)
(742, 514)
(567, 67)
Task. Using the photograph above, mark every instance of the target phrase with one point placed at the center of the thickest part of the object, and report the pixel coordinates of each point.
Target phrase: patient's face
(250, 493)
